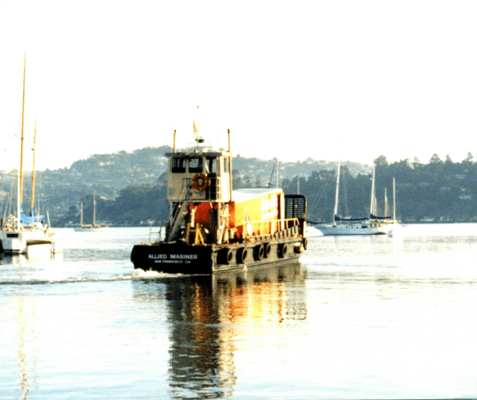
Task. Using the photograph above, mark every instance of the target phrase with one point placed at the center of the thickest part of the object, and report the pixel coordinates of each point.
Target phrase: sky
(321, 79)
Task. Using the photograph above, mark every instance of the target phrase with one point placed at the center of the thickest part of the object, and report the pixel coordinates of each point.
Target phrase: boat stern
(173, 258)
(13, 242)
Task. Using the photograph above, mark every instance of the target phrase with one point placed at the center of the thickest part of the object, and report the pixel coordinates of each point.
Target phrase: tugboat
(213, 228)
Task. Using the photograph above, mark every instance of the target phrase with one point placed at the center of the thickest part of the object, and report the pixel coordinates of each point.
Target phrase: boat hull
(14, 242)
(356, 229)
(209, 259)
(93, 229)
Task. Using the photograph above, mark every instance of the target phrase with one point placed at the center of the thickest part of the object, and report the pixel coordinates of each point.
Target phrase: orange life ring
(199, 182)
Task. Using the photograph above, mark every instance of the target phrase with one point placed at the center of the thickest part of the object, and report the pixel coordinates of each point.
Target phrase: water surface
(358, 317)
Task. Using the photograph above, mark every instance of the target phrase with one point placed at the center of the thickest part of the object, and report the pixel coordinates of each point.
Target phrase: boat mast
(94, 209)
(394, 199)
(335, 210)
(371, 207)
(20, 172)
(33, 172)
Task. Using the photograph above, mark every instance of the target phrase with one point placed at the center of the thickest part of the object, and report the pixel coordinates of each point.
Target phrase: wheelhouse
(199, 176)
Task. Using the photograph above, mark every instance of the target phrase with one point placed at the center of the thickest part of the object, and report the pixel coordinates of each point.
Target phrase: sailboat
(354, 226)
(23, 234)
(90, 227)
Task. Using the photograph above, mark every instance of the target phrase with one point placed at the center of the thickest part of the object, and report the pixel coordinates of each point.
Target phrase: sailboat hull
(14, 242)
(355, 229)
(91, 229)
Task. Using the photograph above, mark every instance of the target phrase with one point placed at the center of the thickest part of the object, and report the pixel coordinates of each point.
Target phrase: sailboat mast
(20, 172)
(94, 208)
(394, 199)
(21, 143)
(385, 203)
(33, 172)
(335, 210)
(371, 207)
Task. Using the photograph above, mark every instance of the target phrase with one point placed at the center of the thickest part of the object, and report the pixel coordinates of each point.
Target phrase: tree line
(442, 190)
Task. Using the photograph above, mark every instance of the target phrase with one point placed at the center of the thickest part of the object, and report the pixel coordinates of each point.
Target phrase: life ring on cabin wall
(199, 182)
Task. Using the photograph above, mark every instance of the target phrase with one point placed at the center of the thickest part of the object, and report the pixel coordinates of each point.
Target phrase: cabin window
(178, 164)
(212, 165)
(195, 164)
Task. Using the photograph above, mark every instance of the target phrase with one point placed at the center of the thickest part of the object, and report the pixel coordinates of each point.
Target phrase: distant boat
(394, 224)
(90, 227)
(21, 234)
(353, 226)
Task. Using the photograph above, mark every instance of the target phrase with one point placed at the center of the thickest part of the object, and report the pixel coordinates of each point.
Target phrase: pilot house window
(195, 164)
(178, 164)
(212, 165)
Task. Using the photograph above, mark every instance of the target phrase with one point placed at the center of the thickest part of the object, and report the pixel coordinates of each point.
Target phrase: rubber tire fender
(241, 255)
(282, 250)
(225, 256)
(267, 249)
(258, 252)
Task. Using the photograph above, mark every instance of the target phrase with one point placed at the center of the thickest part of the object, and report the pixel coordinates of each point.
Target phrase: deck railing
(270, 227)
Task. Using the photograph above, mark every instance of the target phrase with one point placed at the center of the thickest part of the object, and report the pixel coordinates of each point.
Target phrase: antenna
(195, 127)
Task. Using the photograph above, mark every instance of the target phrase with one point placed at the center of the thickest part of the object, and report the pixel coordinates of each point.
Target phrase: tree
(435, 159)
(381, 161)
(469, 159)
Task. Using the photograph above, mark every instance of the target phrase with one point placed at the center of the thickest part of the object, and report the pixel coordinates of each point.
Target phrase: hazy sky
(289, 79)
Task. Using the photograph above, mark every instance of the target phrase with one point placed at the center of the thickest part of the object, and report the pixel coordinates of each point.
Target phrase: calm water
(358, 317)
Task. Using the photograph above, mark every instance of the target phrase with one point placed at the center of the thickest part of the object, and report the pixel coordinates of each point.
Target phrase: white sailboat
(21, 234)
(353, 226)
(90, 227)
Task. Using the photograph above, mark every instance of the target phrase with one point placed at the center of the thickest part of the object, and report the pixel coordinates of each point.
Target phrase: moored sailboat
(21, 234)
(353, 226)
(90, 227)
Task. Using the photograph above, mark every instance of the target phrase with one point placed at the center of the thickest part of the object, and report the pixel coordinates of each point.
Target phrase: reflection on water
(25, 320)
(29, 259)
(201, 354)
(26, 351)
(208, 314)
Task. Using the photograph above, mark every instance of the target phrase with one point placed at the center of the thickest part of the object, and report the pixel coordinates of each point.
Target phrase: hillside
(130, 187)
(112, 175)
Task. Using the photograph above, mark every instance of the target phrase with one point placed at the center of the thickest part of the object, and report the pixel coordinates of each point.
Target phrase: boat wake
(33, 281)
(137, 274)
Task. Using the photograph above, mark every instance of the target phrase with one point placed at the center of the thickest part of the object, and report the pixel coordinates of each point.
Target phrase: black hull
(208, 259)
